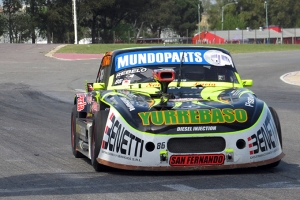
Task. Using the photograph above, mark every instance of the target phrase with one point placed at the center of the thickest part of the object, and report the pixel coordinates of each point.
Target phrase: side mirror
(99, 86)
(95, 86)
(247, 83)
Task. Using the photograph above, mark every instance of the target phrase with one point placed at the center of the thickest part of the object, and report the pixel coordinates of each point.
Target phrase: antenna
(180, 69)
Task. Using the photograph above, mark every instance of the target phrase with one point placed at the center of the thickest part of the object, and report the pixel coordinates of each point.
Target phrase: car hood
(187, 110)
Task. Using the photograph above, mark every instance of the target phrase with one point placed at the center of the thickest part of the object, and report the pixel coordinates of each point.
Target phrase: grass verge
(233, 48)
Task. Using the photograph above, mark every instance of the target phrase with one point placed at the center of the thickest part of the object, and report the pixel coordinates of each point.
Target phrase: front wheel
(278, 127)
(99, 123)
(277, 124)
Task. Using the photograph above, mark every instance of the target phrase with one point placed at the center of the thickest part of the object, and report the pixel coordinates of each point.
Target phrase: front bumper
(126, 148)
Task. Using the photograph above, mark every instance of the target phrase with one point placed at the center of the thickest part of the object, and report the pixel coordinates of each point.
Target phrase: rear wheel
(99, 123)
(74, 136)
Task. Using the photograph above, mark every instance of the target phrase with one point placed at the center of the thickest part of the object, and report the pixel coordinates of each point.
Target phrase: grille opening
(196, 145)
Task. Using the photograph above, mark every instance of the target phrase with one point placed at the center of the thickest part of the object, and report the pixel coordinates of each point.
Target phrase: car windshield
(189, 73)
(195, 65)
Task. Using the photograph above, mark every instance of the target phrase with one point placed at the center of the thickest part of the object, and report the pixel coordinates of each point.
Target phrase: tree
(20, 30)
(3, 21)
(60, 21)
(36, 10)
(185, 16)
(10, 8)
(114, 20)
(158, 16)
(94, 14)
(284, 13)
(106, 15)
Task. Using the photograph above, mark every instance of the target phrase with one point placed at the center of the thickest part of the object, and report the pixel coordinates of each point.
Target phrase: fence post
(215, 37)
(228, 38)
(295, 36)
(242, 36)
(281, 35)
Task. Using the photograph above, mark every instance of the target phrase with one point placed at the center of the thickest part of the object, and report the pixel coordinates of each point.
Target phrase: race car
(173, 108)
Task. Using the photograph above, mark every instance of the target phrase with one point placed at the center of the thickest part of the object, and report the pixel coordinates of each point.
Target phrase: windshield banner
(163, 57)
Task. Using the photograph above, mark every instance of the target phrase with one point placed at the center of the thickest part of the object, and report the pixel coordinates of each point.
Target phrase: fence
(258, 36)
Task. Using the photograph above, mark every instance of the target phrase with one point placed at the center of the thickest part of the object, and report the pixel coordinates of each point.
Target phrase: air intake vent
(196, 145)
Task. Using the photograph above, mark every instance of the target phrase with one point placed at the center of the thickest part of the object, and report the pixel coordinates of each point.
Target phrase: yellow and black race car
(173, 108)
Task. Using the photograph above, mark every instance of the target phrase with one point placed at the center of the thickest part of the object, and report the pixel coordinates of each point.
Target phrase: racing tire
(98, 126)
(74, 136)
(277, 123)
(278, 127)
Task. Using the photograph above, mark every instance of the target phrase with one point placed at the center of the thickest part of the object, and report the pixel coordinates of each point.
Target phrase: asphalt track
(36, 162)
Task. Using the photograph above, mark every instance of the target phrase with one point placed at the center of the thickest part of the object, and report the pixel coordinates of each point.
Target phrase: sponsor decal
(194, 160)
(264, 140)
(118, 81)
(205, 84)
(221, 77)
(95, 107)
(113, 101)
(250, 102)
(127, 103)
(128, 93)
(161, 57)
(125, 82)
(131, 71)
(117, 139)
(153, 85)
(89, 99)
(217, 58)
(197, 128)
(136, 99)
(201, 116)
(80, 102)
(121, 156)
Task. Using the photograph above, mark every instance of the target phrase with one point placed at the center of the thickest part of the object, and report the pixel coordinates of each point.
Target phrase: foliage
(252, 14)
(111, 21)
(10, 8)
(3, 25)
(185, 16)
(19, 27)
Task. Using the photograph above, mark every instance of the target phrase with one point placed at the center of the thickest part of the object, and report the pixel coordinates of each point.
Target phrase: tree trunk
(94, 29)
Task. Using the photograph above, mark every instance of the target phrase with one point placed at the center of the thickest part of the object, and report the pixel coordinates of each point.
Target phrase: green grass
(232, 48)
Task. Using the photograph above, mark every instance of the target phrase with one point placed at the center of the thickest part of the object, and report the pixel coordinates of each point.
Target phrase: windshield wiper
(180, 69)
